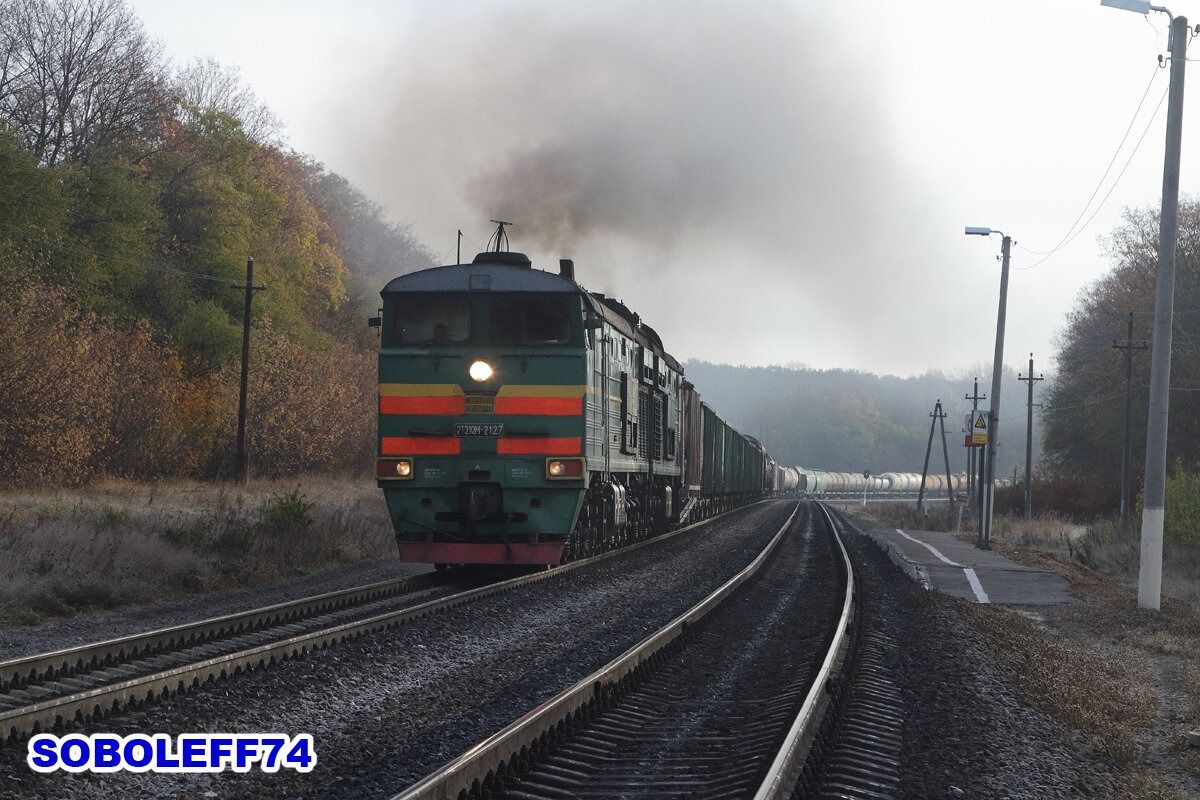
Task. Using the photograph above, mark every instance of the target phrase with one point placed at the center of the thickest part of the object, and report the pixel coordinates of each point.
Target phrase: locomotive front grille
(480, 403)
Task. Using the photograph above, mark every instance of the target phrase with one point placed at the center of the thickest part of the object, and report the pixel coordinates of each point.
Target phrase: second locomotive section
(525, 420)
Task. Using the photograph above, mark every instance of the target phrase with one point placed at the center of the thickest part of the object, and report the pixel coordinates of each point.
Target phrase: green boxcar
(733, 465)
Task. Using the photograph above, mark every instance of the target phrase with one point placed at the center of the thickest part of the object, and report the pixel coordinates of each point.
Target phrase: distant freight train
(892, 485)
(525, 420)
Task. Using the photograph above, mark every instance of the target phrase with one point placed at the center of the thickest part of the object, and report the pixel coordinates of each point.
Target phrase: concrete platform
(943, 563)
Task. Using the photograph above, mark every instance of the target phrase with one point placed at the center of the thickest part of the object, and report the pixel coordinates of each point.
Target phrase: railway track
(70, 688)
(724, 701)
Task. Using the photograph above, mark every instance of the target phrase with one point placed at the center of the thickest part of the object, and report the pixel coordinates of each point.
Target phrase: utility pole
(1029, 441)
(989, 496)
(1153, 510)
(989, 493)
(241, 463)
(974, 397)
(945, 455)
(936, 417)
(1130, 347)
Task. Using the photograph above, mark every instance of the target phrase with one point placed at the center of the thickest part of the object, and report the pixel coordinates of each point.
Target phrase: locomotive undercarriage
(622, 510)
(705, 507)
(626, 508)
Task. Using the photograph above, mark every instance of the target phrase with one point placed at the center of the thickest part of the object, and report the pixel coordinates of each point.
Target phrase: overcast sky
(764, 182)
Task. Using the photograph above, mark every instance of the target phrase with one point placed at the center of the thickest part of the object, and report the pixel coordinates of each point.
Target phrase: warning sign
(978, 427)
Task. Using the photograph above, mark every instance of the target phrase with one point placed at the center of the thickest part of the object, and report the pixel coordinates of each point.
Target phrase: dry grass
(120, 542)
(1128, 679)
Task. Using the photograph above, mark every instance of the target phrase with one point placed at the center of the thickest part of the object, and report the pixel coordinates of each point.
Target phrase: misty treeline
(132, 194)
(850, 421)
(1085, 405)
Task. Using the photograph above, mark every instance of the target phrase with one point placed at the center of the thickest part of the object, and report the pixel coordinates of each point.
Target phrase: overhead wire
(468, 239)
(1075, 228)
(1108, 399)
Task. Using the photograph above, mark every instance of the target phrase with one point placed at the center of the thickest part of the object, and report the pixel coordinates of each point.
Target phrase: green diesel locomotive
(524, 420)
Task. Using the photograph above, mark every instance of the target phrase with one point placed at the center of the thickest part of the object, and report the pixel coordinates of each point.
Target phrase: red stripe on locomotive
(422, 405)
(568, 446)
(547, 406)
(410, 446)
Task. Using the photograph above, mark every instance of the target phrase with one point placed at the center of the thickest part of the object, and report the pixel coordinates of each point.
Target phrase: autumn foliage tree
(1084, 414)
(130, 200)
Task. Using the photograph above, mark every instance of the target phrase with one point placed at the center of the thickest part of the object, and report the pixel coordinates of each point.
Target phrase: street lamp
(989, 478)
(1139, 6)
(1154, 491)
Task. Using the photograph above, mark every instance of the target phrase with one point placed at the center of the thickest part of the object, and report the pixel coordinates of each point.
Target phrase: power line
(231, 281)
(1073, 233)
(1109, 399)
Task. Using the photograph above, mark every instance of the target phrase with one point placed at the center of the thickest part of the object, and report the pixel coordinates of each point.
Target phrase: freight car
(525, 420)
(898, 485)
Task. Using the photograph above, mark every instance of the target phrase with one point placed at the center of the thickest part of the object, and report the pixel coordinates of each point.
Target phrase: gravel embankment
(56, 634)
(967, 731)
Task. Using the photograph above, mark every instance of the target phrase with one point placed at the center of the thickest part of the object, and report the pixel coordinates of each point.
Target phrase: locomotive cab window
(531, 319)
(425, 319)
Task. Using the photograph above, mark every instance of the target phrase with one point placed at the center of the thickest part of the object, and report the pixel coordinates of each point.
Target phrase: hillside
(848, 421)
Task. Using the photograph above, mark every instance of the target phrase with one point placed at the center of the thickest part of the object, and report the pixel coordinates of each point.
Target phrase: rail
(784, 771)
(43, 692)
(497, 754)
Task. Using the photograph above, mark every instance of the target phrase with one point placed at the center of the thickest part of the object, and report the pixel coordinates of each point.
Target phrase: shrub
(310, 407)
(196, 535)
(1073, 498)
(285, 513)
(110, 518)
(80, 398)
(53, 402)
(1182, 522)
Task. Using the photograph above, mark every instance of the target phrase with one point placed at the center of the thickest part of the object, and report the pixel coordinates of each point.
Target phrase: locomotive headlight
(564, 468)
(394, 468)
(481, 371)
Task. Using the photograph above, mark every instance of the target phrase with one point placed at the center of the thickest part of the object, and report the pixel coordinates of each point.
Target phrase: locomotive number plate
(475, 429)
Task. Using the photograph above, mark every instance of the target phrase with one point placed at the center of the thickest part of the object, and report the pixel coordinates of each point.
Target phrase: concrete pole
(989, 494)
(1154, 492)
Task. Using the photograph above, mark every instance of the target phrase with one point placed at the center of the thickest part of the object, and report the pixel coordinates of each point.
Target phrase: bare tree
(204, 84)
(77, 75)
(9, 64)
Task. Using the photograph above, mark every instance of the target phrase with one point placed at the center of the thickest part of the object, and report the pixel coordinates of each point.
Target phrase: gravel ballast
(967, 731)
(388, 709)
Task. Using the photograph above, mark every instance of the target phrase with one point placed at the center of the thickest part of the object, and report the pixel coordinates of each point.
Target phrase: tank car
(815, 481)
(789, 480)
